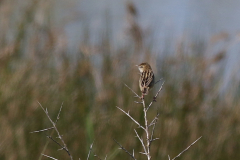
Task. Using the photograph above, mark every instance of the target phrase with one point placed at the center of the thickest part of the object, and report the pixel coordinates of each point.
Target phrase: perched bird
(146, 80)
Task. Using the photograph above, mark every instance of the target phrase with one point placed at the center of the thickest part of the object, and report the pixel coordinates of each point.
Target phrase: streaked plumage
(146, 80)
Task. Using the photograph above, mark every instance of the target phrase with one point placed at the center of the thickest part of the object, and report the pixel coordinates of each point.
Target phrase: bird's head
(143, 67)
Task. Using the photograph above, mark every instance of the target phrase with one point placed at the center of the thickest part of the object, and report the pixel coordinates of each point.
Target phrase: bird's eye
(141, 67)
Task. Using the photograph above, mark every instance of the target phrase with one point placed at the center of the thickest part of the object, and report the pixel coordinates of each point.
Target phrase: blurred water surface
(214, 23)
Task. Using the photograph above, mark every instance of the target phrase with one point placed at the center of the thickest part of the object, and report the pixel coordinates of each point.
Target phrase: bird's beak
(136, 65)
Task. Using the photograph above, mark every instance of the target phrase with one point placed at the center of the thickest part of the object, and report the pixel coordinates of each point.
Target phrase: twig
(144, 148)
(138, 102)
(132, 91)
(42, 130)
(158, 81)
(153, 129)
(90, 149)
(58, 116)
(143, 153)
(139, 125)
(154, 98)
(49, 156)
(159, 90)
(153, 121)
(121, 147)
(184, 149)
(64, 147)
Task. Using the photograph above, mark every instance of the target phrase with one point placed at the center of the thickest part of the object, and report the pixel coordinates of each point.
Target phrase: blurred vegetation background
(36, 64)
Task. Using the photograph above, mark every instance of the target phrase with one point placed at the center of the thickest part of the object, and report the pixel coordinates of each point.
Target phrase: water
(174, 19)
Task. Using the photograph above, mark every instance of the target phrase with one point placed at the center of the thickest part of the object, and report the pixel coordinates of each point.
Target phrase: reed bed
(36, 65)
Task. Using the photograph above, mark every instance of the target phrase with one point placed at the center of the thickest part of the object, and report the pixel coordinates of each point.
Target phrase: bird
(146, 80)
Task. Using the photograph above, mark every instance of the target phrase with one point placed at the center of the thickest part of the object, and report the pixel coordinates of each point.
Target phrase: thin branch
(138, 102)
(158, 81)
(59, 136)
(121, 147)
(153, 129)
(154, 139)
(154, 98)
(146, 130)
(143, 153)
(131, 118)
(159, 89)
(144, 148)
(58, 116)
(49, 157)
(132, 91)
(62, 147)
(90, 149)
(186, 149)
(153, 121)
(42, 130)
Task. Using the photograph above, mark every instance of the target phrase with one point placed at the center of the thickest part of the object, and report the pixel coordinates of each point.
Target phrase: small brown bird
(146, 80)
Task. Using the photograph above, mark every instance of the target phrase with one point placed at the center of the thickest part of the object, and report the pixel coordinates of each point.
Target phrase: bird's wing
(146, 78)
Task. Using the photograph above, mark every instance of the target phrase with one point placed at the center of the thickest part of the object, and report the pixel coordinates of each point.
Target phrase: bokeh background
(81, 52)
